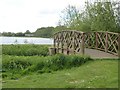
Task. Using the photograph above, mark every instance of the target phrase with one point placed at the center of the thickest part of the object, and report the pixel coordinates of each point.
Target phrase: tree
(27, 32)
(102, 16)
(73, 19)
(60, 28)
(8, 34)
(45, 32)
(117, 14)
(70, 17)
(97, 16)
(20, 34)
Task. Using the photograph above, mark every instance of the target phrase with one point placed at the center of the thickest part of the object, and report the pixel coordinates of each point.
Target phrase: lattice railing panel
(69, 40)
(101, 41)
(73, 40)
(107, 41)
(112, 43)
(90, 40)
(77, 41)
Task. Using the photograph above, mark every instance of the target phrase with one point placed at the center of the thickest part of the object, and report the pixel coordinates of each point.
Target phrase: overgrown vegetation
(28, 64)
(25, 50)
(25, 59)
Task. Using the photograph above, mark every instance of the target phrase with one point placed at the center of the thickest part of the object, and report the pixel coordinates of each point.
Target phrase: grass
(25, 50)
(30, 66)
(93, 74)
(27, 64)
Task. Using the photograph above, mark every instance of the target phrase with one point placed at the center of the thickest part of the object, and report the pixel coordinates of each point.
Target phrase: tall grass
(25, 59)
(27, 64)
(25, 50)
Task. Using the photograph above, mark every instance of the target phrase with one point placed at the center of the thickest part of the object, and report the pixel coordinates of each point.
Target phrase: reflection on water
(25, 40)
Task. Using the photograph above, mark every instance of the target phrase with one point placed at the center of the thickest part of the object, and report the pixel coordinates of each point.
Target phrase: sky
(22, 15)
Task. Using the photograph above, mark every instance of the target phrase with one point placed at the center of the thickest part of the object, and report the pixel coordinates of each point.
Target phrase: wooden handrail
(78, 40)
(68, 31)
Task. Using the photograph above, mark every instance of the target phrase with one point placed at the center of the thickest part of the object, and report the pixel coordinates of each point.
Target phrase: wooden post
(62, 42)
(82, 45)
(73, 42)
(52, 51)
(67, 47)
(57, 48)
(54, 42)
(119, 45)
(106, 42)
(96, 40)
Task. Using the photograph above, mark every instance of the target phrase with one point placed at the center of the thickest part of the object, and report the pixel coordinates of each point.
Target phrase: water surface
(25, 40)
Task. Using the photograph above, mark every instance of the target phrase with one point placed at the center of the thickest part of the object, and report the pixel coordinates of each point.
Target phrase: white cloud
(22, 15)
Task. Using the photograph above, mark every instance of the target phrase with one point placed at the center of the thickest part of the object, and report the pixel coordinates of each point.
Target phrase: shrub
(42, 64)
(4, 75)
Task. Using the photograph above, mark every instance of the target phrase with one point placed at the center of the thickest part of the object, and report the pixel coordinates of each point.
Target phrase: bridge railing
(72, 41)
(69, 42)
(105, 41)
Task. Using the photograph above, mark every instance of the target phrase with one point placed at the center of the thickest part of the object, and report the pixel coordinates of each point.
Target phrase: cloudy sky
(22, 15)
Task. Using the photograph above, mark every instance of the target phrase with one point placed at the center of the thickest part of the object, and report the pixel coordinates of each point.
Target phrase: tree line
(45, 32)
(18, 34)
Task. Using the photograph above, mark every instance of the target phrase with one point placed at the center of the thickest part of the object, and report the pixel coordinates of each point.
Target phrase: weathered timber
(119, 45)
(75, 42)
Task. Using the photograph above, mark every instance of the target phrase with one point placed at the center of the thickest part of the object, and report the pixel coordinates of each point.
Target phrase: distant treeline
(19, 34)
(45, 32)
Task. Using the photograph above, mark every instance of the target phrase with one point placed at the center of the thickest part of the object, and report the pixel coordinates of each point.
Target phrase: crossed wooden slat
(71, 40)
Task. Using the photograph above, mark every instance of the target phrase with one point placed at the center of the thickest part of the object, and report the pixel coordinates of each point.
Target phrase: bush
(42, 64)
(16, 64)
(4, 75)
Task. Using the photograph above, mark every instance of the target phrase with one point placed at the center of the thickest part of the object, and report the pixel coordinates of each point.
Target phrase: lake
(25, 40)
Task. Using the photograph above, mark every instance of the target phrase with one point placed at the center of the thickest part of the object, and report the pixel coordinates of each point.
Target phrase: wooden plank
(106, 42)
(82, 45)
(96, 34)
(119, 45)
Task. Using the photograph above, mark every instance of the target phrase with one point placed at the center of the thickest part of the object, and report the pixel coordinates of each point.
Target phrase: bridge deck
(93, 53)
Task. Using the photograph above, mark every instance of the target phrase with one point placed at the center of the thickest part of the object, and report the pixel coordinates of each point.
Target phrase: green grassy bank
(37, 70)
(25, 50)
(93, 74)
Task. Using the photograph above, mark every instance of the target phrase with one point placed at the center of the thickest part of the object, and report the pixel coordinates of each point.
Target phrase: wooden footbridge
(94, 44)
